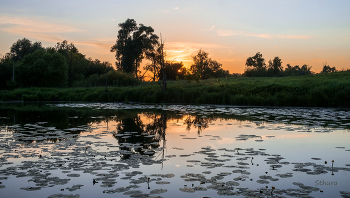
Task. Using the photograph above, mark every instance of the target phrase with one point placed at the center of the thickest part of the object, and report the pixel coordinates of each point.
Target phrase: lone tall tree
(133, 42)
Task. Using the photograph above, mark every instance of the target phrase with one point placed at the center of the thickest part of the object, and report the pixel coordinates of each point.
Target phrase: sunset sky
(312, 32)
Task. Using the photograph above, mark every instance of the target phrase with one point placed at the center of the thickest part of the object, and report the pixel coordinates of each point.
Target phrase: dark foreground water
(119, 150)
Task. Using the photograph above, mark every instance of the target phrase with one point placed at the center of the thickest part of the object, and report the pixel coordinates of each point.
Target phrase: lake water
(136, 150)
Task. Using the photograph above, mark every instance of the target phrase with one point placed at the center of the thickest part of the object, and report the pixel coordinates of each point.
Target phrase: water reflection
(108, 148)
(135, 136)
(39, 119)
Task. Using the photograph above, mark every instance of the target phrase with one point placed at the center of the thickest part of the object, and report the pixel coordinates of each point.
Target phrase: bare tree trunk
(154, 70)
(162, 64)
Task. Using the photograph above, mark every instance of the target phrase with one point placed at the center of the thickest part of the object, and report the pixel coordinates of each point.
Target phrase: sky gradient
(313, 32)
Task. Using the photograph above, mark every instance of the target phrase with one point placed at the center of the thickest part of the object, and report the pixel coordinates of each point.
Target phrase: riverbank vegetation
(324, 90)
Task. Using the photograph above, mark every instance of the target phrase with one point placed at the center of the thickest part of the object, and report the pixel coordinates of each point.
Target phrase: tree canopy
(43, 69)
(58, 66)
(256, 61)
(133, 43)
(204, 67)
(328, 69)
(23, 47)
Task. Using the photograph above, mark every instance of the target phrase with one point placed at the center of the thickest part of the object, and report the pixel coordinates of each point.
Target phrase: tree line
(32, 65)
(256, 67)
(29, 64)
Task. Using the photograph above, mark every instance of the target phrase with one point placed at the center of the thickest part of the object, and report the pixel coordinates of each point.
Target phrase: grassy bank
(326, 90)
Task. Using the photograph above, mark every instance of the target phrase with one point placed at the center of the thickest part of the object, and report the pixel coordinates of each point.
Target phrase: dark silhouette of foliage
(256, 67)
(275, 67)
(133, 123)
(256, 61)
(297, 70)
(204, 67)
(134, 41)
(156, 57)
(23, 47)
(42, 69)
(328, 69)
(73, 59)
(6, 65)
(174, 71)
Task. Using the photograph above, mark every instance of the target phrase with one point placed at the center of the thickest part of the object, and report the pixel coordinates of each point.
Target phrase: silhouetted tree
(23, 47)
(256, 61)
(305, 70)
(297, 70)
(275, 66)
(204, 67)
(291, 70)
(173, 70)
(132, 44)
(328, 69)
(255, 66)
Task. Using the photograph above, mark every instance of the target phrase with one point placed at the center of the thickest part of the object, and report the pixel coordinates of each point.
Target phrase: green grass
(324, 90)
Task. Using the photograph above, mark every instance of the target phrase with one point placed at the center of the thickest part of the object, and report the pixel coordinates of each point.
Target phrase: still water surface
(132, 150)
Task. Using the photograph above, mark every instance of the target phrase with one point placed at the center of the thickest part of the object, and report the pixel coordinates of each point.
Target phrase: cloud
(229, 33)
(45, 31)
(35, 29)
(96, 43)
(21, 25)
(176, 8)
(284, 36)
(210, 29)
(267, 36)
(50, 32)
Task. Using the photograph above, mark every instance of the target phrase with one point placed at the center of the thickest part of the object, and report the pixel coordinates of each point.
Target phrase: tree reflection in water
(198, 122)
(23, 120)
(135, 136)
